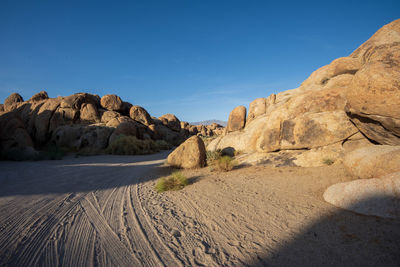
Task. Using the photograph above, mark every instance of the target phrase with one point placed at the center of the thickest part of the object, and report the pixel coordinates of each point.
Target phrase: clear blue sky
(196, 59)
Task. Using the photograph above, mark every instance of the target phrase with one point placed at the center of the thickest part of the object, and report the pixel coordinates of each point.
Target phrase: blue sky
(196, 59)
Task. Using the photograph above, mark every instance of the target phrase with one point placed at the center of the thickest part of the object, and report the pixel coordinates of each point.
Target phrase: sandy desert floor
(103, 211)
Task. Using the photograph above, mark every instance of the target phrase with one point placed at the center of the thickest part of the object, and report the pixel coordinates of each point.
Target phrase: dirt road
(103, 211)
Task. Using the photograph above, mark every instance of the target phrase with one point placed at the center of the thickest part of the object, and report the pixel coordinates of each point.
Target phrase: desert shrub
(328, 161)
(130, 145)
(163, 145)
(226, 163)
(213, 156)
(175, 181)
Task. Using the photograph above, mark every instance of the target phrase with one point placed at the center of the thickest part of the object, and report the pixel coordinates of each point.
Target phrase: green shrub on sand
(175, 181)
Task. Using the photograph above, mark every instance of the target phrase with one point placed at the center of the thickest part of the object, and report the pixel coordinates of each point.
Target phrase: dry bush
(175, 181)
(226, 163)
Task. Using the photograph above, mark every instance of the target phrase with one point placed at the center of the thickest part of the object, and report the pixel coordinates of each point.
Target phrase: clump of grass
(213, 156)
(130, 145)
(163, 145)
(175, 181)
(226, 163)
(328, 161)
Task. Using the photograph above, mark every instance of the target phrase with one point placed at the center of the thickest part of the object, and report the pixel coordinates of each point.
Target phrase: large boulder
(39, 96)
(108, 115)
(237, 119)
(89, 113)
(373, 161)
(171, 121)
(190, 154)
(374, 93)
(12, 101)
(111, 102)
(376, 196)
(139, 114)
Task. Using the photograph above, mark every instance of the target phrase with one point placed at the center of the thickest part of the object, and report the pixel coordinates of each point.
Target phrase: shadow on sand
(79, 174)
(342, 238)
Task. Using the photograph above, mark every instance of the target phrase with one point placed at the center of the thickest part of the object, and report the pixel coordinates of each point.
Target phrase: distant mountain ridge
(208, 122)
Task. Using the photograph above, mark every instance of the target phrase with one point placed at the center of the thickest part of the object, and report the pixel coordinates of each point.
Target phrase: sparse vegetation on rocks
(328, 161)
(175, 181)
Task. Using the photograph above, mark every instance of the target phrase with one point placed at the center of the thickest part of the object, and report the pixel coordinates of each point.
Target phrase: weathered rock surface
(107, 116)
(89, 113)
(237, 119)
(12, 101)
(171, 121)
(111, 102)
(376, 196)
(39, 96)
(374, 93)
(190, 154)
(373, 161)
(141, 115)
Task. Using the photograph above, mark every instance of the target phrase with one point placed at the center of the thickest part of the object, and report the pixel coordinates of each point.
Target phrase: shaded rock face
(374, 93)
(190, 154)
(13, 133)
(171, 121)
(376, 196)
(12, 101)
(237, 119)
(82, 136)
(111, 102)
(139, 114)
(373, 161)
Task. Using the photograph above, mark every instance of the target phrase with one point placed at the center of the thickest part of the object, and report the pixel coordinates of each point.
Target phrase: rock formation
(81, 121)
(341, 103)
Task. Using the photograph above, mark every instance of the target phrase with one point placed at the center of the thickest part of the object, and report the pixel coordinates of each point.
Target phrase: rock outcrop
(112, 102)
(237, 119)
(374, 93)
(358, 93)
(81, 121)
(373, 161)
(190, 154)
(12, 101)
(376, 196)
(171, 121)
(141, 115)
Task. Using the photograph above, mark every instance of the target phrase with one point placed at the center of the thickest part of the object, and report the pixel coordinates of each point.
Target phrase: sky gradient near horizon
(195, 59)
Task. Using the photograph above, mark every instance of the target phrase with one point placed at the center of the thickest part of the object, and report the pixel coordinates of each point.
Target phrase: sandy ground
(103, 211)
